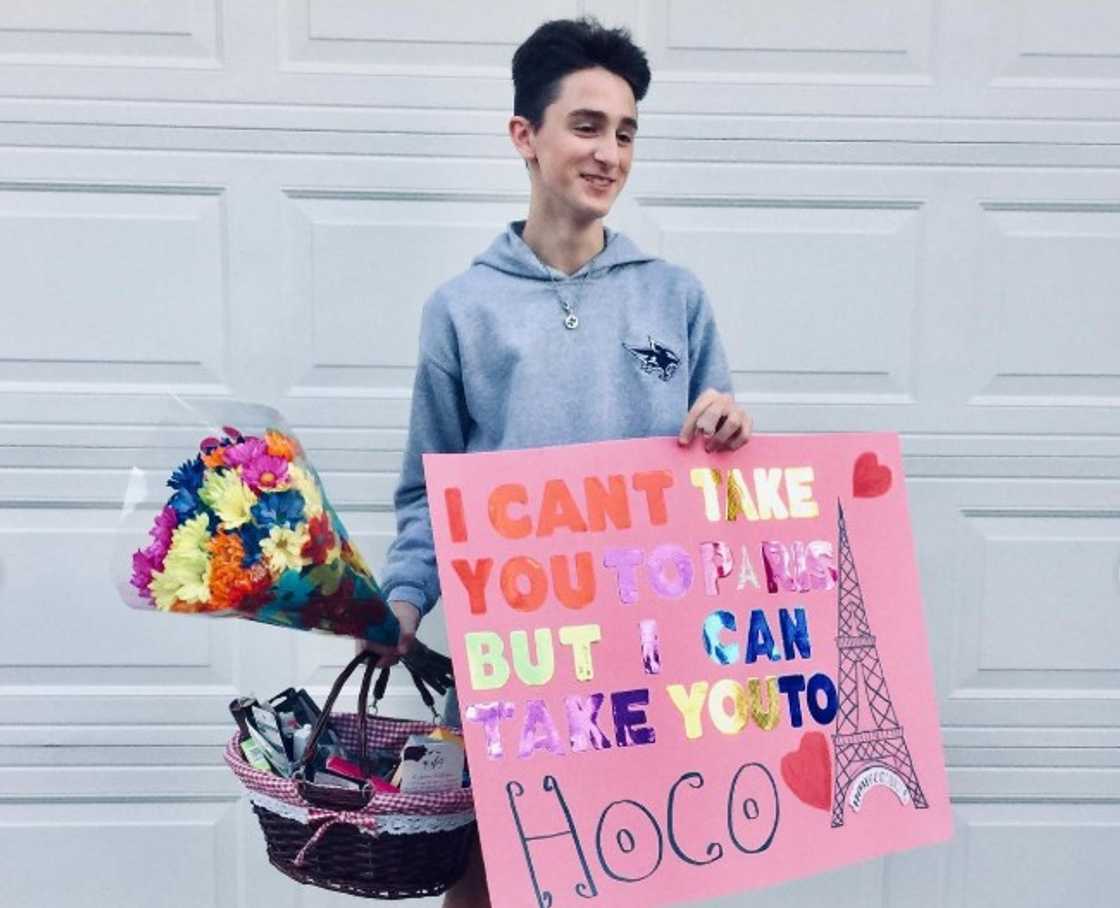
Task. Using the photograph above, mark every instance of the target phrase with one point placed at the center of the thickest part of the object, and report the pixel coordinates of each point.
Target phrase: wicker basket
(375, 845)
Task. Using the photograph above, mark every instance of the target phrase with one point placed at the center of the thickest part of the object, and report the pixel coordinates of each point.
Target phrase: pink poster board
(685, 675)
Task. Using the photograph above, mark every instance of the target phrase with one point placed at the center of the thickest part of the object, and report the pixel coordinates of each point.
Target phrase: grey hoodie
(498, 369)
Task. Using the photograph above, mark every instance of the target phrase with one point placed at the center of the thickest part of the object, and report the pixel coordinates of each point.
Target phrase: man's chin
(599, 209)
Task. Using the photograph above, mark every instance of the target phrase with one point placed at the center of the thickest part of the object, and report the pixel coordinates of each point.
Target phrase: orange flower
(230, 581)
(215, 458)
(192, 607)
(280, 445)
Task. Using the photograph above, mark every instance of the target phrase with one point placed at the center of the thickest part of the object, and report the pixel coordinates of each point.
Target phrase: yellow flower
(186, 569)
(229, 498)
(283, 549)
(308, 486)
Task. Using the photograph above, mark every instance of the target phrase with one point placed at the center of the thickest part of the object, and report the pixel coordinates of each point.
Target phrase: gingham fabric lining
(381, 732)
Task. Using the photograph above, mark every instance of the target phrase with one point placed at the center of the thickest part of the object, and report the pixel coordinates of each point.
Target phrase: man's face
(585, 145)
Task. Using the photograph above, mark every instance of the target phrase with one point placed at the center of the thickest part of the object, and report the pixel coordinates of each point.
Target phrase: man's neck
(563, 246)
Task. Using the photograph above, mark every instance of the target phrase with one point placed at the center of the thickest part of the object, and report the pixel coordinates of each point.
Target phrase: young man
(562, 331)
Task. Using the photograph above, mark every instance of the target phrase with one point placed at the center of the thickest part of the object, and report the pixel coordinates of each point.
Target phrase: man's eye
(626, 138)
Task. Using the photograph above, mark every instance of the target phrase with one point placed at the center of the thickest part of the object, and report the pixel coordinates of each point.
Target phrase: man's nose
(607, 151)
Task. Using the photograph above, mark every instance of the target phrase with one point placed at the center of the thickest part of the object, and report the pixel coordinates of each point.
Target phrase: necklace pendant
(571, 322)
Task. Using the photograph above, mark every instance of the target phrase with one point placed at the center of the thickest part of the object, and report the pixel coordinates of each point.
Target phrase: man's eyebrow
(599, 115)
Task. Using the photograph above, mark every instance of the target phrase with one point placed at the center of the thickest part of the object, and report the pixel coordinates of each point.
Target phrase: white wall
(908, 216)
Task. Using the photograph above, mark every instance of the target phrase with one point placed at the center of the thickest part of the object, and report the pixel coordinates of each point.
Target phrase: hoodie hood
(510, 254)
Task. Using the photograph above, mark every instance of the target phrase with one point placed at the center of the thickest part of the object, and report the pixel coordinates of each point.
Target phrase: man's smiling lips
(597, 181)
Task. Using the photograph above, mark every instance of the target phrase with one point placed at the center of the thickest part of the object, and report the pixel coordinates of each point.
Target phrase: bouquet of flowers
(247, 531)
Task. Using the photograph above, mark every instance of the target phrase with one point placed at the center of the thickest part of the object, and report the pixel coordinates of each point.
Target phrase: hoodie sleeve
(706, 359)
(438, 423)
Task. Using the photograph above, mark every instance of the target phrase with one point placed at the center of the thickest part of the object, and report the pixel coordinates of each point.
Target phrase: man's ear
(521, 133)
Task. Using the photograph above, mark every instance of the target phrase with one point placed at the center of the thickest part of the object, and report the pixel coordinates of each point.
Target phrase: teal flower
(292, 589)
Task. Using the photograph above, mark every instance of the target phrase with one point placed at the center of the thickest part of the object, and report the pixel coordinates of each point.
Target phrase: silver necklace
(571, 320)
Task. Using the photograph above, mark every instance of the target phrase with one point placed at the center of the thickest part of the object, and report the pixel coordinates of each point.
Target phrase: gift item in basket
(255, 755)
(304, 710)
(281, 730)
(264, 732)
(429, 764)
(358, 840)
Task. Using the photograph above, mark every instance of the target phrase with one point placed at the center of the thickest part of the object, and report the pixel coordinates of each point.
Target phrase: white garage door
(907, 214)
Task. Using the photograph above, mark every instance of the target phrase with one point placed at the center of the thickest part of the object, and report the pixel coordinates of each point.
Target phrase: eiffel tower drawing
(880, 744)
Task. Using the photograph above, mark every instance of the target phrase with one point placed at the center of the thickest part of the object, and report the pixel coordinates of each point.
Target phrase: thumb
(408, 620)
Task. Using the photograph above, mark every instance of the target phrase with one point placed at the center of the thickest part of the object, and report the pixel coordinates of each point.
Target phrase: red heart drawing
(808, 771)
(870, 479)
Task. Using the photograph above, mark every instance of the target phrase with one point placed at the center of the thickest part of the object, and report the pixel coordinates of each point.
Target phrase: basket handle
(334, 798)
(325, 714)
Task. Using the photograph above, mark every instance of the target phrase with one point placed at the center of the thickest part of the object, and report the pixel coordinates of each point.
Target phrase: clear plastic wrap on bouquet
(226, 516)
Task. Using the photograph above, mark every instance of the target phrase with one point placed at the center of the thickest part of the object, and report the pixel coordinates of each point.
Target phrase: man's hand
(409, 618)
(723, 423)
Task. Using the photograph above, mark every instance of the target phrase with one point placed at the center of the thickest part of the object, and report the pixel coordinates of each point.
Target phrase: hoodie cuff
(414, 596)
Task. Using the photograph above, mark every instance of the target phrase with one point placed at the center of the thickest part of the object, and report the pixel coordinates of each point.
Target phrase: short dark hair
(563, 46)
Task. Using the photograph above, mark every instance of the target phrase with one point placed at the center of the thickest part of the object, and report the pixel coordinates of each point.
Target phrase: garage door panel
(168, 33)
(805, 287)
(151, 252)
(1020, 579)
(60, 629)
(759, 38)
(360, 269)
(364, 35)
(108, 851)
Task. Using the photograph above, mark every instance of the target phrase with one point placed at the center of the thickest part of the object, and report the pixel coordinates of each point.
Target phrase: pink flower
(142, 569)
(147, 561)
(259, 470)
(265, 472)
(245, 452)
(166, 521)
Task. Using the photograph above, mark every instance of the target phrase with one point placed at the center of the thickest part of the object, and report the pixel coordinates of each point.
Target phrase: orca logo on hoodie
(655, 358)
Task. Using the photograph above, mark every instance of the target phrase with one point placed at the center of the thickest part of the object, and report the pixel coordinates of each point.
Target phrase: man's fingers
(716, 415)
(694, 414)
(715, 418)
(744, 434)
(408, 618)
(731, 425)
(711, 420)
